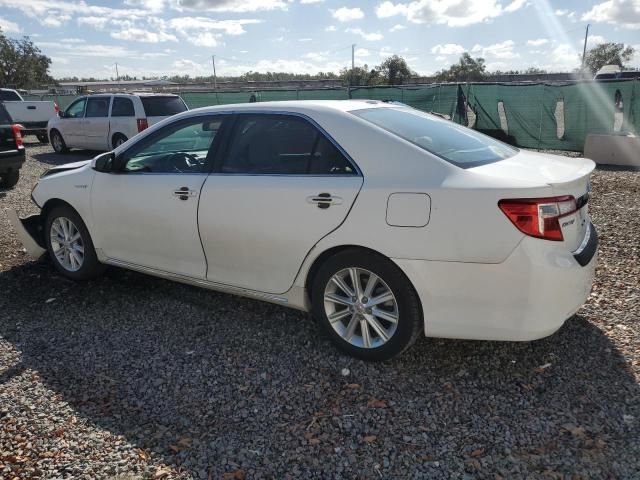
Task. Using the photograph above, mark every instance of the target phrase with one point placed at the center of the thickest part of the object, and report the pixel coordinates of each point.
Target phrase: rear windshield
(5, 118)
(162, 106)
(454, 143)
(9, 96)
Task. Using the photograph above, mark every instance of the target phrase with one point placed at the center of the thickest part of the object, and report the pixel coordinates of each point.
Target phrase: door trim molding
(198, 282)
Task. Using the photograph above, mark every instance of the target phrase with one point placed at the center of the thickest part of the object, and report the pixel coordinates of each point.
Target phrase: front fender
(30, 233)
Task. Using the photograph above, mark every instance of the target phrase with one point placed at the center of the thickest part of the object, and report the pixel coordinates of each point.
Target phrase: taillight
(142, 124)
(17, 134)
(539, 217)
(56, 108)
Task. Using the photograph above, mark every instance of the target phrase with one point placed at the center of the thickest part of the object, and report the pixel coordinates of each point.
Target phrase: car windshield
(454, 143)
(162, 106)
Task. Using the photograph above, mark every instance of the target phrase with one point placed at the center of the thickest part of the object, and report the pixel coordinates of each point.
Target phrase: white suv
(105, 121)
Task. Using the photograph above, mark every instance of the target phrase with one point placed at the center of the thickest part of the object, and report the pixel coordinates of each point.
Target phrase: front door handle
(324, 200)
(183, 193)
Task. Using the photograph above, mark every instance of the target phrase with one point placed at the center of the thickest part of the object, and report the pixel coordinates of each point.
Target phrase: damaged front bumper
(30, 233)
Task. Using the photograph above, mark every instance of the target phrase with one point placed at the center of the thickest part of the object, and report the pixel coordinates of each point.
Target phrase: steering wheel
(180, 162)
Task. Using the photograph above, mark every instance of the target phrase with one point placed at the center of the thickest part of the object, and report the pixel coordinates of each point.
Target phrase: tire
(118, 139)
(57, 142)
(63, 223)
(9, 179)
(399, 319)
(42, 137)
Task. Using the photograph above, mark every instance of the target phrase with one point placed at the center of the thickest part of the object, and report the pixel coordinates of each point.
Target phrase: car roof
(300, 106)
(132, 94)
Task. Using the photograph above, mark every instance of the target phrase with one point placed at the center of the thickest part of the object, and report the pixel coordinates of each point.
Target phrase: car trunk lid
(564, 176)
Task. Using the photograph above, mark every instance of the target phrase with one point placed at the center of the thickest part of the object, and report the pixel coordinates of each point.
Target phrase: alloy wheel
(361, 307)
(67, 244)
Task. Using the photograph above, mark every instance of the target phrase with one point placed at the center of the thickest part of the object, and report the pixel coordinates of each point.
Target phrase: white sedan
(381, 220)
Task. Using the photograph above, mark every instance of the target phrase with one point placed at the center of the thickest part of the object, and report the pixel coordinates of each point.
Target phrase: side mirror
(62, 114)
(104, 163)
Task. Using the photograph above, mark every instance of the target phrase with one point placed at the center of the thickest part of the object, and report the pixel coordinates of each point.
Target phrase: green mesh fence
(545, 116)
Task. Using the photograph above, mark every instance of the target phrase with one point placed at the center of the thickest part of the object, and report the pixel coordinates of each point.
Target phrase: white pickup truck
(32, 116)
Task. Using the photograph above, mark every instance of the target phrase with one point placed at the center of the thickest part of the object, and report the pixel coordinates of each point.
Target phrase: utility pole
(584, 49)
(353, 56)
(117, 74)
(215, 80)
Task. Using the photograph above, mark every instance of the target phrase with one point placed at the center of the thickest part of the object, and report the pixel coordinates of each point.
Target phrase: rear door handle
(324, 200)
(183, 193)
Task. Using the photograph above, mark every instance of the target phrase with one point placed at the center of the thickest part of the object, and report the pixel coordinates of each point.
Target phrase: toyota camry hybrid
(381, 220)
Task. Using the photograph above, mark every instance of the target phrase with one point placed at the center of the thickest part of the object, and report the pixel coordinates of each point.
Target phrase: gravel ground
(133, 377)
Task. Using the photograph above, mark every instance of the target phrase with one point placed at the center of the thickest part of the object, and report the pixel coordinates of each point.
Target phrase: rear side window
(9, 96)
(162, 106)
(122, 107)
(454, 143)
(5, 118)
(97, 107)
(282, 145)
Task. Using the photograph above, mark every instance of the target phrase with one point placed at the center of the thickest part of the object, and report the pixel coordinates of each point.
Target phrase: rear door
(96, 123)
(159, 107)
(278, 188)
(123, 117)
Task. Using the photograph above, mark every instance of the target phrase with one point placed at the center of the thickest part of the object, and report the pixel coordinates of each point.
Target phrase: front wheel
(70, 246)
(367, 305)
(57, 142)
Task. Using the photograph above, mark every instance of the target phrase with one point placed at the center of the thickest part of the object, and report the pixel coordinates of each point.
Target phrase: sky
(86, 38)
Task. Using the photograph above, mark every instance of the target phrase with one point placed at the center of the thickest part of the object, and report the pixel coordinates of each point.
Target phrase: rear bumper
(11, 159)
(29, 231)
(526, 297)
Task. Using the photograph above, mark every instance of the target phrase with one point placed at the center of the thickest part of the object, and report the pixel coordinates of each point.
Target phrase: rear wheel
(118, 139)
(9, 179)
(70, 246)
(366, 305)
(57, 142)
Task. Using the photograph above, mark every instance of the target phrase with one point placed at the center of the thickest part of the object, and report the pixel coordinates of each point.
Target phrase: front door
(71, 125)
(278, 189)
(146, 213)
(96, 123)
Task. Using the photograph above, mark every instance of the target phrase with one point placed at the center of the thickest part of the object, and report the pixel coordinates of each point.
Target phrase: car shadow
(248, 383)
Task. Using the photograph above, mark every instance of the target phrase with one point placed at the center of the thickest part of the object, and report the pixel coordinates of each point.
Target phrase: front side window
(76, 109)
(282, 145)
(454, 143)
(179, 148)
(97, 107)
(122, 107)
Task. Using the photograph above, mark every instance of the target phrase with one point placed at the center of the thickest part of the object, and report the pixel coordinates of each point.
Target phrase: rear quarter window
(162, 106)
(454, 143)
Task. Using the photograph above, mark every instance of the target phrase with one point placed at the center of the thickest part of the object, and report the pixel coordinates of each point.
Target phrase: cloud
(625, 13)
(306, 2)
(538, 42)
(362, 52)
(140, 35)
(8, 26)
(305, 39)
(503, 50)
(330, 28)
(236, 6)
(397, 27)
(448, 49)
(453, 13)
(593, 40)
(367, 36)
(187, 25)
(344, 14)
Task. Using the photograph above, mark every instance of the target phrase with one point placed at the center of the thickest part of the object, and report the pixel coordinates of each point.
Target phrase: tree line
(23, 65)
